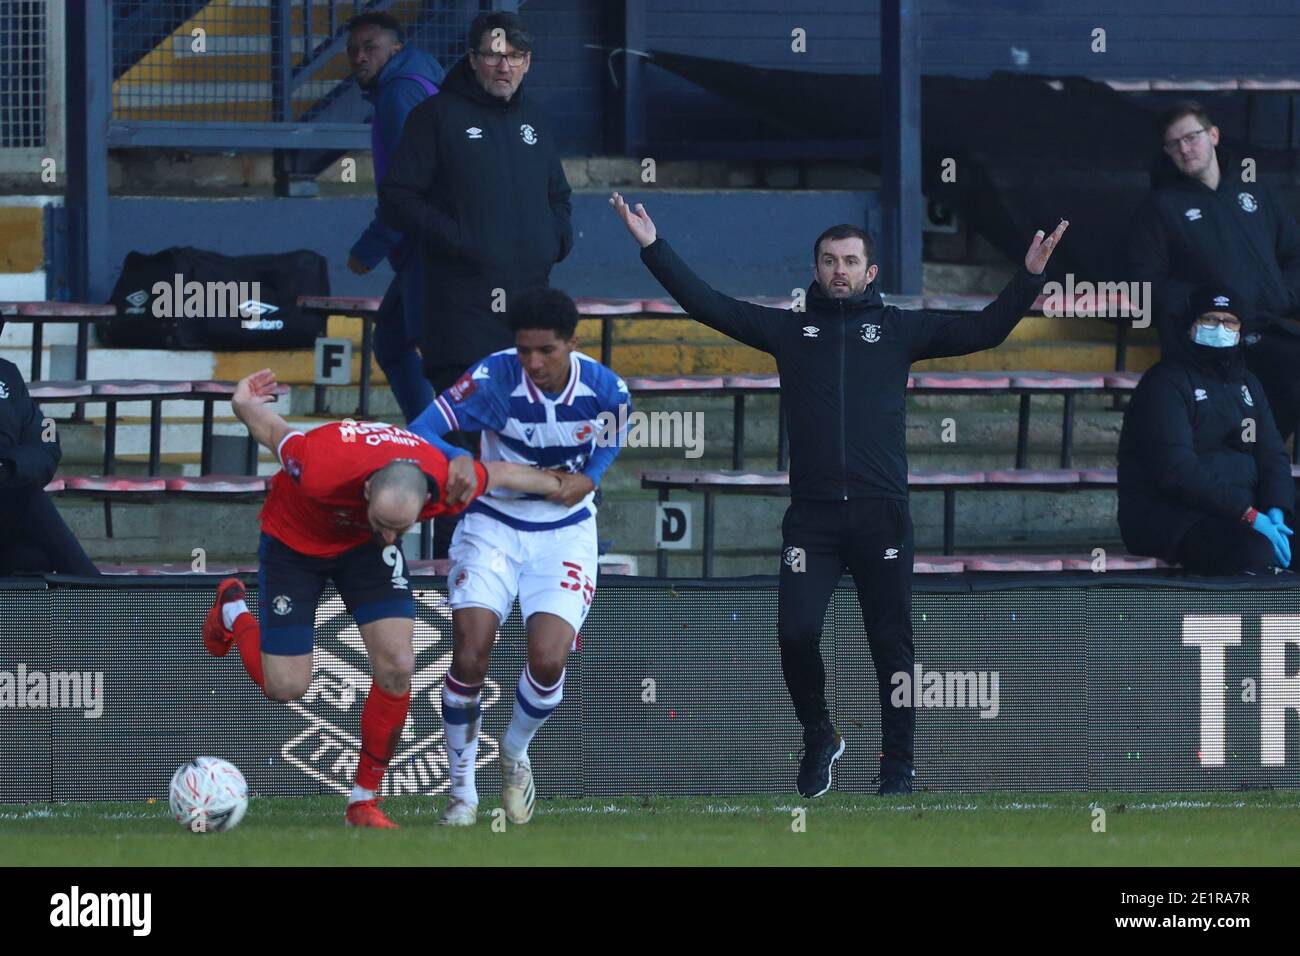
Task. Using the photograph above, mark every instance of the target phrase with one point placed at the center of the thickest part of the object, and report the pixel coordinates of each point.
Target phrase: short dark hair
(385, 21)
(543, 307)
(1184, 108)
(516, 31)
(845, 231)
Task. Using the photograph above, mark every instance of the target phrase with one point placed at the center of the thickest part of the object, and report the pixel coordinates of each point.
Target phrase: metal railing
(255, 61)
(31, 85)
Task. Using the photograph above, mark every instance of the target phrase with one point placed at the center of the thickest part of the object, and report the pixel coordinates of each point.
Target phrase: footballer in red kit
(337, 510)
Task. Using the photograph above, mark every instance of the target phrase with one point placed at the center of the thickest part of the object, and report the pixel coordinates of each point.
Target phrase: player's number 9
(393, 558)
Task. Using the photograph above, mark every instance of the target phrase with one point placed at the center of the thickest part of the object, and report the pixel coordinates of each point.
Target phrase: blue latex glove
(1281, 547)
(1279, 519)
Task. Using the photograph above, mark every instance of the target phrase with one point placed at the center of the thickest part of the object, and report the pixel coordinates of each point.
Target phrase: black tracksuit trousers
(34, 538)
(1222, 546)
(872, 539)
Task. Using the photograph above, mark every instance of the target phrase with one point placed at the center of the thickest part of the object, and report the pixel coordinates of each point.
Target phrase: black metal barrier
(1025, 683)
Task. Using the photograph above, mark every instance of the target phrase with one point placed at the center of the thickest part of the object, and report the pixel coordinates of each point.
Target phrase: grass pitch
(1226, 829)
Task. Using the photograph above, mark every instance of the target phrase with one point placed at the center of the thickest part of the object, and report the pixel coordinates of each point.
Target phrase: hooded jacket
(1183, 449)
(1185, 234)
(844, 366)
(31, 462)
(394, 94)
(477, 180)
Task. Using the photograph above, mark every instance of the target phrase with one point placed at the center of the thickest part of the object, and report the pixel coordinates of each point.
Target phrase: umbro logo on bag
(1201, 395)
(253, 307)
(474, 132)
(891, 554)
(1193, 215)
(810, 331)
(136, 301)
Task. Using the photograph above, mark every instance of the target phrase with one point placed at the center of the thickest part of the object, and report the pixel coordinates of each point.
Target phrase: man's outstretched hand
(637, 221)
(255, 389)
(1040, 250)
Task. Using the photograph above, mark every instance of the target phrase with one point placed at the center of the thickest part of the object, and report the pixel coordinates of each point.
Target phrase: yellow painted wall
(22, 238)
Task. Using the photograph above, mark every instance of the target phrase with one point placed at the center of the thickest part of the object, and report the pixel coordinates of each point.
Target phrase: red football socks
(248, 639)
(382, 720)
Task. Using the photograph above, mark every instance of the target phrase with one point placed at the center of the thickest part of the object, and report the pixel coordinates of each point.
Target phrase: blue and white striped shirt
(522, 424)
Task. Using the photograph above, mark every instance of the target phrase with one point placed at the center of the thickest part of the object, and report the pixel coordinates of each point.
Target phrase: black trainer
(819, 756)
(896, 782)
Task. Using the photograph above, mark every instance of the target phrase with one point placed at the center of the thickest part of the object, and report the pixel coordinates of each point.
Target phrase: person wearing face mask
(1204, 479)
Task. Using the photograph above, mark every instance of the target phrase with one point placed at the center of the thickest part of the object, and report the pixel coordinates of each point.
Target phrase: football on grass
(209, 795)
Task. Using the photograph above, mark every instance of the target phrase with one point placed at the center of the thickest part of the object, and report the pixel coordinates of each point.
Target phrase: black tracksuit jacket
(1241, 235)
(32, 462)
(844, 366)
(1182, 453)
(478, 181)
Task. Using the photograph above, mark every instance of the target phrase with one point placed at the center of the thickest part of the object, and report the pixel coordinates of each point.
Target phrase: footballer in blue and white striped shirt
(542, 403)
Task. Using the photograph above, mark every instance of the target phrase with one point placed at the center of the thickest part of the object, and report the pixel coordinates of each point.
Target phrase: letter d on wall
(673, 526)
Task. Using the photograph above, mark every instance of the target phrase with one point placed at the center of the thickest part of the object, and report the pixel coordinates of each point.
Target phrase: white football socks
(460, 722)
(230, 612)
(533, 704)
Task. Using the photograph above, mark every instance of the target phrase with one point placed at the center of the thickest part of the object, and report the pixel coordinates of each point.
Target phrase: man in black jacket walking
(477, 179)
(844, 363)
(1205, 222)
(1204, 479)
(33, 536)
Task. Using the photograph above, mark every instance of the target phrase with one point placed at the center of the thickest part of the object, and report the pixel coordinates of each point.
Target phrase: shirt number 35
(575, 580)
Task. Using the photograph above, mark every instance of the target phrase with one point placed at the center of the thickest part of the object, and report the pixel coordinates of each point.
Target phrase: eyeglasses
(494, 59)
(1210, 321)
(1172, 145)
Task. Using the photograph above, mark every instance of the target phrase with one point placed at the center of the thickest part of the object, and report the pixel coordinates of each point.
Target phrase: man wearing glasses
(1204, 479)
(477, 179)
(1207, 219)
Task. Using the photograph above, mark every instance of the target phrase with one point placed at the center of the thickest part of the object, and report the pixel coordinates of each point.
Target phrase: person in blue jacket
(395, 78)
(1204, 479)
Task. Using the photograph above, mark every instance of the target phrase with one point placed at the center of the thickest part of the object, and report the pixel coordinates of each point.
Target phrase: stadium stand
(141, 430)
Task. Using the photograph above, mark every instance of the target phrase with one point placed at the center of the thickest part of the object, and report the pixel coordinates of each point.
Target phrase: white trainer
(459, 814)
(517, 792)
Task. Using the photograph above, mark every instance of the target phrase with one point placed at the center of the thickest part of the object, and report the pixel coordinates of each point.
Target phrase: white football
(208, 795)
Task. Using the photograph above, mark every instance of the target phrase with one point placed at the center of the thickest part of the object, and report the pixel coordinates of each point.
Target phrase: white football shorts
(553, 572)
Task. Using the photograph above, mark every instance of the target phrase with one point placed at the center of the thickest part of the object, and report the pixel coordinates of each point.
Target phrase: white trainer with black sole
(517, 794)
(459, 813)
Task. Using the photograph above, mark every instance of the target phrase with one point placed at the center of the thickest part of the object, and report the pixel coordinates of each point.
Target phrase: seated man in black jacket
(33, 537)
(1204, 480)
(1208, 219)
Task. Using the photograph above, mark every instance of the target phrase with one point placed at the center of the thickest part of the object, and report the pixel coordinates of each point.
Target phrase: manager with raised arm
(844, 363)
